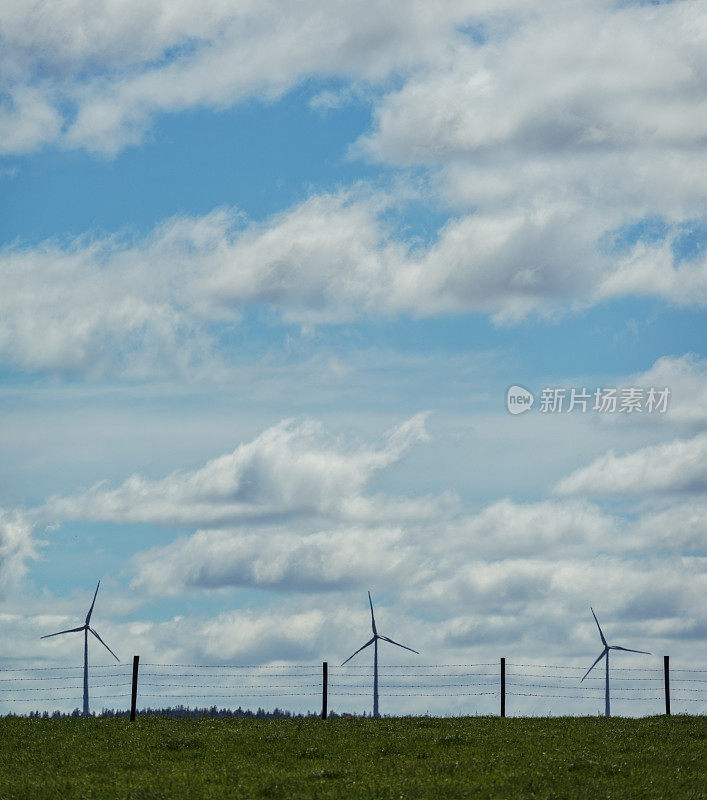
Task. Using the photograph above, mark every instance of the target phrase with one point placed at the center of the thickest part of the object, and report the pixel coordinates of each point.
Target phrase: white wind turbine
(85, 628)
(374, 641)
(605, 654)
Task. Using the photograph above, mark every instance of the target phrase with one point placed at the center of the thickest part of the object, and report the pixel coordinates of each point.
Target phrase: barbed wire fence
(163, 685)
(628, 684)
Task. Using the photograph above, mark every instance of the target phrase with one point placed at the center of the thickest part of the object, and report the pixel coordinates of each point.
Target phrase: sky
(270, 275)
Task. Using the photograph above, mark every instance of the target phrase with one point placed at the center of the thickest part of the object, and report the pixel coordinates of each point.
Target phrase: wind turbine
(85, 628)
(374, 641)
(605, 654)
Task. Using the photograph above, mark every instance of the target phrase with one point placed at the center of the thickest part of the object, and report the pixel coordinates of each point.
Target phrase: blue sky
(261, 313)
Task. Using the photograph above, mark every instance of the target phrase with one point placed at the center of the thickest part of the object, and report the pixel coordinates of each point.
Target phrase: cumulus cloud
(675, 467)
(609, 124)
(27, 120)
(291, 511)
(91, 308)
(119, 64)
(291, 471)
(655, 270)
(542, 603)
(17, 547)
(93, 305)
(610, 76)
(506, 529)
(680, 527)
(552, 165)
(498, 558)
(277, 560)
(557, 154)
(533, 586)
(686, 377)
(473, 75)
(544, 560)
(288, 514)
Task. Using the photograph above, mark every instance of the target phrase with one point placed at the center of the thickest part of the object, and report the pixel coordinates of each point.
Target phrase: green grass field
(470, 757)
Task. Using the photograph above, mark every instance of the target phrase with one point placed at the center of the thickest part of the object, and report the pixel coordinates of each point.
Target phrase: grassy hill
(463, 757)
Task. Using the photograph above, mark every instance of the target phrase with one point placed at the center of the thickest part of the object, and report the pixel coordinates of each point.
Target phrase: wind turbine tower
(85, 628)
(605, 654)
(374, 641)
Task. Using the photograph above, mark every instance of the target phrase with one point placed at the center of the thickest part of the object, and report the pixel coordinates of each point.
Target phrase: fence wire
(230, 683)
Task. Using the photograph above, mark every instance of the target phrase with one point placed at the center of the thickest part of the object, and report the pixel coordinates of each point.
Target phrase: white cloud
(609, 122)
(539, 605)
(119, 64)
(678, 466)
(499, 560)
(653, 270)
(27, 120)
(291, 471)
(276, 560)
(90, 308)
(558, 132)
(577, 76)
(681, 527)
(511, 530)
(472, 66)
(17, 547)
(686, 377)
(532, 587)
(549, 161)
(94, 306)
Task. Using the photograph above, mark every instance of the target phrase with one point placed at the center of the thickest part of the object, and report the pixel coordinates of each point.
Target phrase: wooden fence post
(133, 700)
(666, 673)
(503, 687)
(325, 677)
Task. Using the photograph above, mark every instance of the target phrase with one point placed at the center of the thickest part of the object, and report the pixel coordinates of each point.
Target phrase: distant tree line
(181, 711)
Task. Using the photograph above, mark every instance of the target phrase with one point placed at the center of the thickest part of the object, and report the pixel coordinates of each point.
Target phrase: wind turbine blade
(603, 640)
(104, 644)
(373, 619)
(628, 650)
(90, 610)
(58, 633)
(370, 641)
(388, 639)
(603, 653)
